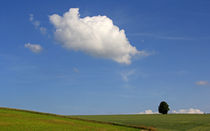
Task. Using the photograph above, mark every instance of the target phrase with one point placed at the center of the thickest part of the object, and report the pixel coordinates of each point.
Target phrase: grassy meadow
(23, 120)
(170, 122)
(19, 120)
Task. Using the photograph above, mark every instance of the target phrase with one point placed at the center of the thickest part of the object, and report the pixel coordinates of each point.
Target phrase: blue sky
(174, 34)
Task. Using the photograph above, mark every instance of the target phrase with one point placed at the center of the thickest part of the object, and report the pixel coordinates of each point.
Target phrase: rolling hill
(23, 120)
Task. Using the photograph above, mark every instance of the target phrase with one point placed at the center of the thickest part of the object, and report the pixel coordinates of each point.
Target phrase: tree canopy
(163, 108)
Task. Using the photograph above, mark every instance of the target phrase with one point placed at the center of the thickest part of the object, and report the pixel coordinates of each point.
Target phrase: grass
(22, 120)
(170, 122)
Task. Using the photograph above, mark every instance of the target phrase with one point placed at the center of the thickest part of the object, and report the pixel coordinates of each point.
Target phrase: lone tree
(163, 107)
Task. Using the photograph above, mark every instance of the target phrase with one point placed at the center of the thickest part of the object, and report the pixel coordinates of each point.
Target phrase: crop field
(170, 122)
(20, 120)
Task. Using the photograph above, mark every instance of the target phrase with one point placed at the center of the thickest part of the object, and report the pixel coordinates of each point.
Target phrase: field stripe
(116, 124)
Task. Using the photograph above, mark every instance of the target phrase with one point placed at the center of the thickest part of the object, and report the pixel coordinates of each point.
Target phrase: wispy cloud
(202, 83)
(43, 30)
(146, 53)
(37, 24)
(126, 74)
(158, 36)
(188, 111)
(76, 70)
(33, 47)
(31, 17)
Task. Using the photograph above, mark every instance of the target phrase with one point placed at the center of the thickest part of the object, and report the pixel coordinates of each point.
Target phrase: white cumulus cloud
(188, 111)
(96, 36)
(34, 47)
(148, 112)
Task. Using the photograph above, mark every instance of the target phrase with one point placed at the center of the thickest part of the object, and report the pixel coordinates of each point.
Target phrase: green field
(170, 122)
(20, 120)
